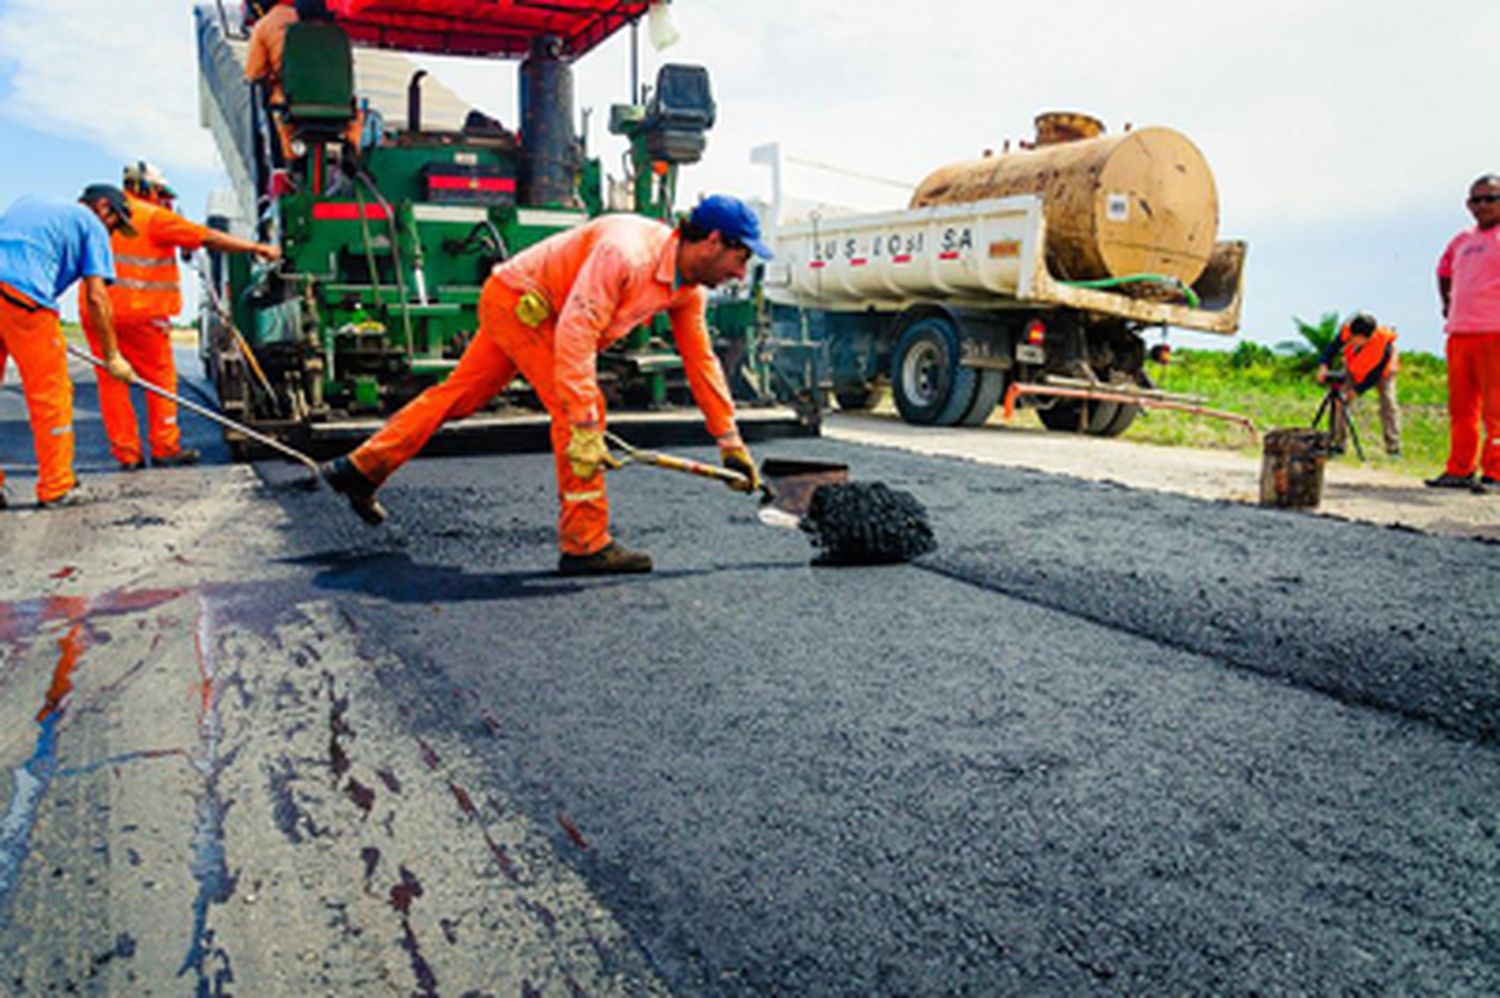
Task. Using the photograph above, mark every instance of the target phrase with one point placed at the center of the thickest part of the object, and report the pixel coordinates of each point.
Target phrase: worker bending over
(547, 313)
(1369, 352)
(44, 248)
(144, 298)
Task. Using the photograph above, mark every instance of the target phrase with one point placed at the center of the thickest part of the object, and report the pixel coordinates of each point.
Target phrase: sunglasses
(1484, 198)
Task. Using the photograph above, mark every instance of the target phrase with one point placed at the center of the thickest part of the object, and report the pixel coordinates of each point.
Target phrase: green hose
(1114, 282)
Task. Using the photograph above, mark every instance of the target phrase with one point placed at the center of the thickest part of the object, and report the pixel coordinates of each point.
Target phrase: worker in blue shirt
(44, 248)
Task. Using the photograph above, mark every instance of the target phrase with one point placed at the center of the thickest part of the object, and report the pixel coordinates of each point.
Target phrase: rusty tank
(1141, 202)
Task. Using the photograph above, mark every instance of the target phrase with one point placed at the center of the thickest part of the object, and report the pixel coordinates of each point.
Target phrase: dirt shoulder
(1350, 491)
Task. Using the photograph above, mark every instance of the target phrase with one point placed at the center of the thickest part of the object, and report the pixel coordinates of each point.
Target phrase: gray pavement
(1102, 741)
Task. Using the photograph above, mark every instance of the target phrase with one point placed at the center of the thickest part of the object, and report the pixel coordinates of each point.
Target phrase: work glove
(587, 452)
(737, 458)
(119, 368)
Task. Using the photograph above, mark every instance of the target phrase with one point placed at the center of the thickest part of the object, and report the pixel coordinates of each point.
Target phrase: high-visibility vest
(146, 285)
(1362, 359)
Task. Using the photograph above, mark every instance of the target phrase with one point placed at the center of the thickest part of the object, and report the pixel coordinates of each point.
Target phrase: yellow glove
(738, 458)
(587, 453)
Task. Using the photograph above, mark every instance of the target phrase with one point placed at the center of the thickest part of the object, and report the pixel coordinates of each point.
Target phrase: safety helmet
(142, 177)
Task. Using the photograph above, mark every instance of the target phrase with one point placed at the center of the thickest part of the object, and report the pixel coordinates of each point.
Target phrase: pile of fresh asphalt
(867, 523)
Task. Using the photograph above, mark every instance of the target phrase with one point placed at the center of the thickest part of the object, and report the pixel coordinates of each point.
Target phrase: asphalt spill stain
(362, 796)
(65, 572)
(402, 896)
(370, 856)
(572, 830)
(428, 755)
(389, 779)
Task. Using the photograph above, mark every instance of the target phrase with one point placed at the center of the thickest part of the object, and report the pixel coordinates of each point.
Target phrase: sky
(1342, 134)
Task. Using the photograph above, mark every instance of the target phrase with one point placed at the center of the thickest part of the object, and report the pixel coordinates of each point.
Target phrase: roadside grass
(1278, 391)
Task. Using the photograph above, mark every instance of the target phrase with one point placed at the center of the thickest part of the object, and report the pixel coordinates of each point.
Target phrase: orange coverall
(34, 338)
(598, 281)
(1474, 404)
(144, 297)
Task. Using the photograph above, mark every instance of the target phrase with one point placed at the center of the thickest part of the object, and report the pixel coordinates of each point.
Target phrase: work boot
(73, 497)
(612, 559)
(1487, 486)
(133, 465)
(182, 458)
(344, 478)
(1447, 481)
(4, 500)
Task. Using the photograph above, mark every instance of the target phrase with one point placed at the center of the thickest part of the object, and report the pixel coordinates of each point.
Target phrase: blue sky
(1342, 133)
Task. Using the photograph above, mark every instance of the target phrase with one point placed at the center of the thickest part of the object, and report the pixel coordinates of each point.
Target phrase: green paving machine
(391, 200)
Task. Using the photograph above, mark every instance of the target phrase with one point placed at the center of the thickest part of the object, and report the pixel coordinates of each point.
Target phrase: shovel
(786, 489)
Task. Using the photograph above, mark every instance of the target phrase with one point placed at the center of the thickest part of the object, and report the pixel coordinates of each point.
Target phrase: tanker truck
(1028, 277)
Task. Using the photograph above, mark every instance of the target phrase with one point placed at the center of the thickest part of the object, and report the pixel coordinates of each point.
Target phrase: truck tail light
(1036, 332)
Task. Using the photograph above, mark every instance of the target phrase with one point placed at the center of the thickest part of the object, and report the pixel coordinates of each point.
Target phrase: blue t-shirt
(46, 246)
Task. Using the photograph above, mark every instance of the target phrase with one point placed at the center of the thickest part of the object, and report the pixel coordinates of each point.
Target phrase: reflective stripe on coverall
(610, 275)
(32, 336)
(144, 298)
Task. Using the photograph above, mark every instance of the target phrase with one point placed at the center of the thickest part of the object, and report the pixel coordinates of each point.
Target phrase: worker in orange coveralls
(144, 298)
(44, 248)
(1469, 284)
(547, 312)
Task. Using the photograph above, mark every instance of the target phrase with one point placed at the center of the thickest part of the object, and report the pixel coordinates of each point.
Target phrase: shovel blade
(793, 484)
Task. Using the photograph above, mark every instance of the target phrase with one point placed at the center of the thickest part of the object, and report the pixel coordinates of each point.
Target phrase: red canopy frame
(484, 27)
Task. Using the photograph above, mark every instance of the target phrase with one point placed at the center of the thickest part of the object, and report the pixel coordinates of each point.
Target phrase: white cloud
(121, 75)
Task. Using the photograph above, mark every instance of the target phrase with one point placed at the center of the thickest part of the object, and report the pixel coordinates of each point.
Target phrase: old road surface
(1102, 740)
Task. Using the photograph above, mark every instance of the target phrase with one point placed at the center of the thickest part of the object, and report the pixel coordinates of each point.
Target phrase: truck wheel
(992, 385)
(931, 387)
(1123, 418)
(1066, 416)
(859, 398)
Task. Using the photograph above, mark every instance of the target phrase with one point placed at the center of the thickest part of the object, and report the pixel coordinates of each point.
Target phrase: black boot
(182, 458)
(343, 477)
(612, 559)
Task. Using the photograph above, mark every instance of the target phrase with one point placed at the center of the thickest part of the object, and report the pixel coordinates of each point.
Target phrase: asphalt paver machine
(391, 200)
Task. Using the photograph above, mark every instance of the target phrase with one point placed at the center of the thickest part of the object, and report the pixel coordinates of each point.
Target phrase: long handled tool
(635, 455)
(786, 489)
(206, 413)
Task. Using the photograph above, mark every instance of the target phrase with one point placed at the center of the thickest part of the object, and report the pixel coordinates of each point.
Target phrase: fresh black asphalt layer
(1099, 740)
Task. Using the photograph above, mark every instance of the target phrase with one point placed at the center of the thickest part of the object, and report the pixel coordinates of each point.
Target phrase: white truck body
(983, 254)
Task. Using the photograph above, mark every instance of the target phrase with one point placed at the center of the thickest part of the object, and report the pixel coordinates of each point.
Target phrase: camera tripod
(1337, 409)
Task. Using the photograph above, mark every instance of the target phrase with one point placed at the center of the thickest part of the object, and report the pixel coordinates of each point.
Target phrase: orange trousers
(35, 340)
(147, 344)
(502, 347)
(1474, 403)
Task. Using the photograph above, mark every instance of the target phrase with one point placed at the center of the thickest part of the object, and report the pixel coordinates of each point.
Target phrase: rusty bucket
(1291, 469)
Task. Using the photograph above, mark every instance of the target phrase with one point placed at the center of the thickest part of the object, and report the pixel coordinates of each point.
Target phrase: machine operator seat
(317, 73)
(680, 111)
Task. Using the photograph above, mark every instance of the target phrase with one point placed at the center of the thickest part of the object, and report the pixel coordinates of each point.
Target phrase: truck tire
(1066, 416)
(992, 385)
(1123, 418)
(859, 398)
(931, 387)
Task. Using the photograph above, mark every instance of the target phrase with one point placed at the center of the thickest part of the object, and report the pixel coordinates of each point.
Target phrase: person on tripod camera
(1369, 353)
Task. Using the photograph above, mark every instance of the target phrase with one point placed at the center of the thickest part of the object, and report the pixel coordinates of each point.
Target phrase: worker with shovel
(546, 313)
(144, 299)
(44, 248)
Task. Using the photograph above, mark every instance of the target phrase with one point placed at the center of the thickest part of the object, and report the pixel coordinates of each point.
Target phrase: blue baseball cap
(731, 218)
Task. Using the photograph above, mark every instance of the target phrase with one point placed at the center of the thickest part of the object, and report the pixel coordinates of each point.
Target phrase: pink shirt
(600, 281)
(1472, 263)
